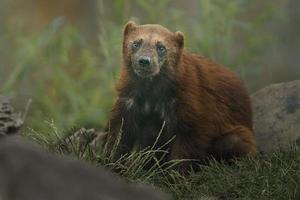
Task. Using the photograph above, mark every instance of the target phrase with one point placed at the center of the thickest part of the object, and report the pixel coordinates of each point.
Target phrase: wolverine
(185, 103)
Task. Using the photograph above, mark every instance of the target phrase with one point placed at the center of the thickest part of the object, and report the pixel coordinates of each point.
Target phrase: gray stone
(83, 138)
(28, 173)
(276, 117)
(10, 122)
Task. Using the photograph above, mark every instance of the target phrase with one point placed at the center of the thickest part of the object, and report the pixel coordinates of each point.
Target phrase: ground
(264, 176)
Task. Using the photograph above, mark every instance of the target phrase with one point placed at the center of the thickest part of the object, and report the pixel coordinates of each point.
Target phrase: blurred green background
(65, 55)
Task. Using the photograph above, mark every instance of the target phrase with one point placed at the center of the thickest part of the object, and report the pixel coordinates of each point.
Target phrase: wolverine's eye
(161, 49)
(136, 44)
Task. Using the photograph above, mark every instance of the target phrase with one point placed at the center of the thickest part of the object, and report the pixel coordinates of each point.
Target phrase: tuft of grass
(264, 176)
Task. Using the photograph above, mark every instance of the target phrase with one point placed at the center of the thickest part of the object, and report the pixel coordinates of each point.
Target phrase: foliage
(66, 82)
(72, 83)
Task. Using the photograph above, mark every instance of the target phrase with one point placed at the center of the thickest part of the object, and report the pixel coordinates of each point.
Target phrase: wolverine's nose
(144, 61)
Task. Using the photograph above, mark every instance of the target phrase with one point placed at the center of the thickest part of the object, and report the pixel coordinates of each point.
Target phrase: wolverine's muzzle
(144, 61)
(145, 66)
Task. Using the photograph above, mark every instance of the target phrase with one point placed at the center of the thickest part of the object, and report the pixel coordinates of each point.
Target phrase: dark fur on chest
(148, 105)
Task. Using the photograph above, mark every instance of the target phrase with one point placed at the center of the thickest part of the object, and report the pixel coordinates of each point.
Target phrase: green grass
(264, 176)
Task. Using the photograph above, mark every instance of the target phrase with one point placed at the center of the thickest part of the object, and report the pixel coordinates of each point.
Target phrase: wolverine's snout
(145, 65)
(144, 61)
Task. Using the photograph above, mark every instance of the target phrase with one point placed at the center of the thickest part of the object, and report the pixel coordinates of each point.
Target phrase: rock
(28, 173)
(276, 117)
(80, 139)
(83, 138)
(10, 122)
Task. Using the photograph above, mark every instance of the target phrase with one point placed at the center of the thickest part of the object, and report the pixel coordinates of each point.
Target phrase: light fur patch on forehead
(152, 33)
(153, 38)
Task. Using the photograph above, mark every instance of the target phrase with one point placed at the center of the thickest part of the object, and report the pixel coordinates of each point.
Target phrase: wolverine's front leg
(120, 137)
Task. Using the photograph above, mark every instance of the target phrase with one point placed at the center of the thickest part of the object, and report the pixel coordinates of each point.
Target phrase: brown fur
(203, 104)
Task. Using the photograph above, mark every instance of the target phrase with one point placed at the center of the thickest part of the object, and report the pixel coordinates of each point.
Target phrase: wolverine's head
(147, 49)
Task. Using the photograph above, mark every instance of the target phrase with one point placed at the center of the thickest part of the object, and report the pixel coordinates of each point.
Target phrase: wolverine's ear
(180, 39)
(131, 25)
